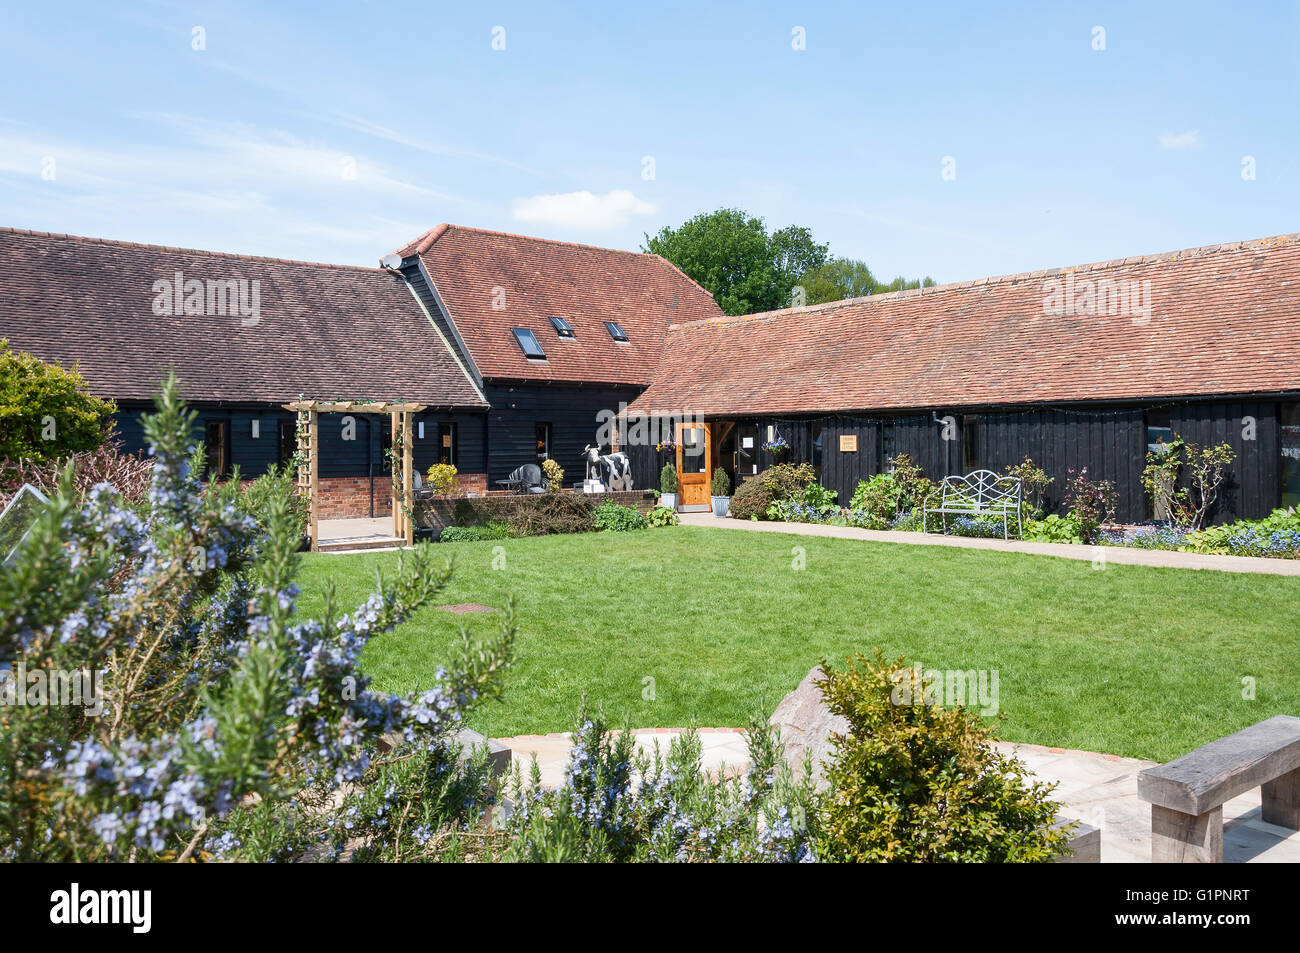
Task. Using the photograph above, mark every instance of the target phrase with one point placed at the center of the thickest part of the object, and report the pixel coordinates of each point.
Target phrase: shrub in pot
(668, 486)
(719, 488)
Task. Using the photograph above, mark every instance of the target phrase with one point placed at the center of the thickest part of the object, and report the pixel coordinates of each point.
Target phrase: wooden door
(694, 464)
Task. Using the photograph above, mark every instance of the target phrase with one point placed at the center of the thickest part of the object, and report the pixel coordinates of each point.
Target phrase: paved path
(1119, 555)
(1100, 789)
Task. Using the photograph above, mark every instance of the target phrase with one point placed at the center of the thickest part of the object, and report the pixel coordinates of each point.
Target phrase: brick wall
(442, 512)
(349, 497)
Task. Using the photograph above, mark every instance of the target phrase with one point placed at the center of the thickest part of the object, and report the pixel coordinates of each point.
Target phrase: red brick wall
(349, 497)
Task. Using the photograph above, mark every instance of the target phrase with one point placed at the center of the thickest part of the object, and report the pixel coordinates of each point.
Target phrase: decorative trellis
(307, 457)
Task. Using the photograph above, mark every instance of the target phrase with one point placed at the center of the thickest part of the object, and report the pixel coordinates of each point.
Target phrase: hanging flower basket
(777, 446)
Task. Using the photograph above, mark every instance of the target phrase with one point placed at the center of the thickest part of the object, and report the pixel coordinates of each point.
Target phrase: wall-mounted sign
(446, 440)
(848, 443)
(747, 443)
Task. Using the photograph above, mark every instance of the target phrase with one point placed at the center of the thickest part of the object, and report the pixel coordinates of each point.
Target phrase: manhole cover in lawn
(461, 608)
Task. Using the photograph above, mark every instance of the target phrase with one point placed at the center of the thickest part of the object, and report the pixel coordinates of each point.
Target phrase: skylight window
(562, 327)
(528, 344)
(615, 331)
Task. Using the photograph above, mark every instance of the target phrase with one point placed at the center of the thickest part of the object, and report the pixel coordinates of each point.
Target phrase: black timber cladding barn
(517, 345)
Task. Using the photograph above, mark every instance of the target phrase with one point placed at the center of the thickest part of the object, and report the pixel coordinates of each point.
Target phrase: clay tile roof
(533, 279)
(1223, 320)
(323, 331)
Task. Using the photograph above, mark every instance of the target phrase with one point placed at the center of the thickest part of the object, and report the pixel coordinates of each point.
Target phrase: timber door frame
(693, 487)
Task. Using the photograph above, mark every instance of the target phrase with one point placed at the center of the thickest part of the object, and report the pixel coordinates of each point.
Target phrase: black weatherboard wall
(1110, 441)
(517, 409)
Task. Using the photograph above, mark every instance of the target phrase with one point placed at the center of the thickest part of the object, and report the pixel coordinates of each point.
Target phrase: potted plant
(668, 487)
(777, 446)
(720, 488)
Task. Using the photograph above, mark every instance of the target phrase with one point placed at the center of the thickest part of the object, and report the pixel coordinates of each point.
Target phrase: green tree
(731, 255)
(842, 278)
(45, 410)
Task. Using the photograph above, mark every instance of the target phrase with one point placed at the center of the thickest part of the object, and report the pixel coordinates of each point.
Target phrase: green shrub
(720, 485)
(661, 516)
(668, 479)
(260, 497)
(876, 501)
(1053, 529)
(46, 411)
(471, 534)
(781, 482)
(611, 516)
(913, 781)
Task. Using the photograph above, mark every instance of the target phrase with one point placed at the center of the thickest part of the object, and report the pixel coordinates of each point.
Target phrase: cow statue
(612, 469)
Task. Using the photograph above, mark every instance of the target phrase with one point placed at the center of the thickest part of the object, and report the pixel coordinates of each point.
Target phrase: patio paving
(1118, 555)
(349, 535)
(1099, 789)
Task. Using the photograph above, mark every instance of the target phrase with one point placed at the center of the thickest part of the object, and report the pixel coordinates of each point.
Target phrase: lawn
(1129, 660)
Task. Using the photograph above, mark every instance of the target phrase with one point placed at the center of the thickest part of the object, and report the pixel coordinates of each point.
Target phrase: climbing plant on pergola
(308, 456)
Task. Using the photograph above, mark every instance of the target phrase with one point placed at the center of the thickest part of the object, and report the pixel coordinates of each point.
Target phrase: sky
(953, 140)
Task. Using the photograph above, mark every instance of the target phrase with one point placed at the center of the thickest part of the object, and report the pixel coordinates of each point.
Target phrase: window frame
(520, 334)
(562, 328)
(616, 332)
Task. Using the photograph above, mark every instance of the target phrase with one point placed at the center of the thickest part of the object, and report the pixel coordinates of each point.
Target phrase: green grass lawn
(1129, 660)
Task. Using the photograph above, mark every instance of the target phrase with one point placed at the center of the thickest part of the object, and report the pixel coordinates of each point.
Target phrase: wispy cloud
(582, 209)
(1191, 139)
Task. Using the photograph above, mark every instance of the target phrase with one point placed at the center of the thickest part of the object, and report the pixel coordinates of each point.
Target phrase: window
(1159, 431)
(970, 442)
(288, 443)
(446, 449)
(887, 447)
(1289, 439)
(543, 442)
(215, 454)
(562, 327)
(528, 344)
(616, 331)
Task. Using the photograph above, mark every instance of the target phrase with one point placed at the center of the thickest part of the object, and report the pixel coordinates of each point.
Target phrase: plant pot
(720, 505)
(669, 500)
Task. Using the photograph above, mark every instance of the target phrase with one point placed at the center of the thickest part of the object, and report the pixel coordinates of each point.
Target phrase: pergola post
(313, 479)
(408, 489)
(395, 425)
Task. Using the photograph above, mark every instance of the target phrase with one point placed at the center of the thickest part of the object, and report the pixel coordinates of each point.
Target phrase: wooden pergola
(308, 456)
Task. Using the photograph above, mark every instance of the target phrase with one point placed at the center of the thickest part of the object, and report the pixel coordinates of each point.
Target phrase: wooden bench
(976, 494)
(1187, 795)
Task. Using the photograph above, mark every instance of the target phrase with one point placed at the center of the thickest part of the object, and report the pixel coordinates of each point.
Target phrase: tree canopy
(841, 278)
(731, 255)
(45, 410)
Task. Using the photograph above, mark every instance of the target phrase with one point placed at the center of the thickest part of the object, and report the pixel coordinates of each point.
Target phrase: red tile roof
(1225, 319)
(540, 278)
(324, 331)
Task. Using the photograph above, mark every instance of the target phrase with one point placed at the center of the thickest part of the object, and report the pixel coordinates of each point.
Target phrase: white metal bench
(1187, 795)
(980, 493)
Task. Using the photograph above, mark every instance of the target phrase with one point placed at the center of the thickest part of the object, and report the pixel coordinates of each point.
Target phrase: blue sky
(337, 131)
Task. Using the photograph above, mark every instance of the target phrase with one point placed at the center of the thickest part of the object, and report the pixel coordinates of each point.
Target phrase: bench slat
(1204, 779)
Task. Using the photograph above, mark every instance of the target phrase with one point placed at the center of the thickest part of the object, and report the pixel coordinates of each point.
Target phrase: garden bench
(979, 493)
(1187, 795)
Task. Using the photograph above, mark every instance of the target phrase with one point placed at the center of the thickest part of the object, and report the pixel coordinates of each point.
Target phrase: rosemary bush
(230, 727)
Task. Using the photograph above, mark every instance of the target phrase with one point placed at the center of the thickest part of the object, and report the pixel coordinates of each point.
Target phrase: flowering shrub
(781, 482)
(442, 478)
(616, 804)
(554, 474)
(1277, 535)
(1090, 503)
(228, 727)
(129, 475)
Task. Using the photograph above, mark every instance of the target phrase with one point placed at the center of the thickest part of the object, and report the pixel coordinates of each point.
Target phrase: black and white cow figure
(612, 469)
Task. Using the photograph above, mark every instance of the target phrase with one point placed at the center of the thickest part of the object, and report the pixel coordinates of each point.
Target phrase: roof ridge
(445, 227)
(121, 243)
(1199, 251)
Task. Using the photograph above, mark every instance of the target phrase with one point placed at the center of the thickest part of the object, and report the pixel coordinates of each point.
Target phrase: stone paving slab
(1098, 789)
(1119, 555)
